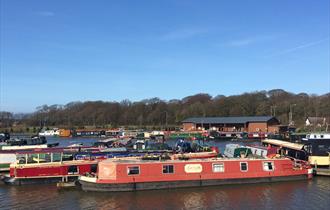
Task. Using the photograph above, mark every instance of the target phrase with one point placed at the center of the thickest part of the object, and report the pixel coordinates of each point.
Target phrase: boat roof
(136, 160)
(285, 144)
(313, 136)
(256, 146)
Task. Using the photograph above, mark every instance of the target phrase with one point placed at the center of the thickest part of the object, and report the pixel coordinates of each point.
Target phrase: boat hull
(31, 181)
(103, 187)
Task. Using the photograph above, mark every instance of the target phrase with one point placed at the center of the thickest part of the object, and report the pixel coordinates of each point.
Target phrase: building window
(218, 167)
(133, 170)
(244, 166)
(168, 169)
(268, 166)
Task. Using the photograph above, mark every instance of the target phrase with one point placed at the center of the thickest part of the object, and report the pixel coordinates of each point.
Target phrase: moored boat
(24, 143)
(134, 175)
(47, 167)
(49, 132)
(236, 151)
(315, 149)
(53, 165)
(318, 147)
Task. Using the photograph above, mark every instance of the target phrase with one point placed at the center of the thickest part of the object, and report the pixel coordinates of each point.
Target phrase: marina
(283, 194)
(165, 105)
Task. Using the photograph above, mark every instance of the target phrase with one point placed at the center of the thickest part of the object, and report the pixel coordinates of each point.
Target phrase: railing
(299, 163)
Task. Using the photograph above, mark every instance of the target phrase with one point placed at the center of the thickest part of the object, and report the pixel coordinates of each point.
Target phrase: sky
(56, 52)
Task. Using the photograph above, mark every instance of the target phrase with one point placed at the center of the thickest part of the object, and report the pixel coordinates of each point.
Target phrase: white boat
(51, 132)
(318, 146)
(76, 145)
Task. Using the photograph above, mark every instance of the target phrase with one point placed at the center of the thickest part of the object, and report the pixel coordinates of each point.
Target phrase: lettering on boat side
(193, 168)
(108, 172)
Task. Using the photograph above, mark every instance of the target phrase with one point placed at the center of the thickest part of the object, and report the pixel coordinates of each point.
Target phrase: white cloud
(250, 40)
(302, 46)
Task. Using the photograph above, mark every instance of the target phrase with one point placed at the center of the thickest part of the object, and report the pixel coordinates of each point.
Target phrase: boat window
(94, 168)
(132, 170)
(168, 169)
(268, 166)
(21, 158)
(244, 166)
(218, 167)
(322, 148)
(44, 158)
(322, 136)
(32, 158)
(73, 170)
(56, 157)
(67, 157)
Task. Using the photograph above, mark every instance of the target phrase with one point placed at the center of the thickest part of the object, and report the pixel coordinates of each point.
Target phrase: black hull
(30, 181)
(89, 186)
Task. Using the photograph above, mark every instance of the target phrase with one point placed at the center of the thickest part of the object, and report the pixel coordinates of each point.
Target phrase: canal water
(313, 194)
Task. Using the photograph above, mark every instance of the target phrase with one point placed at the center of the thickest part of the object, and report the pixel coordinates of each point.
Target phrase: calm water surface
(313, 194)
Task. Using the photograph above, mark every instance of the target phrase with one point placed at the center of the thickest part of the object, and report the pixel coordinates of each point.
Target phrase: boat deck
(139, 160)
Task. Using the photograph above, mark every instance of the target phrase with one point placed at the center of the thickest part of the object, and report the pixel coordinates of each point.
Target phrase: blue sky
(55, 52)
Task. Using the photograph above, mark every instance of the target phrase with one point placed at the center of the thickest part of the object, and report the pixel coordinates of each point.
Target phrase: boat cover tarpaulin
(285, 144)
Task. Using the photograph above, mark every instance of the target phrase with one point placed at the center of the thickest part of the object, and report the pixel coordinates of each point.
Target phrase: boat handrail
(297, 163)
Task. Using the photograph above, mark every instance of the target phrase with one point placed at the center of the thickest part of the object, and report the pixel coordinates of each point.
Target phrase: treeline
(158, 113)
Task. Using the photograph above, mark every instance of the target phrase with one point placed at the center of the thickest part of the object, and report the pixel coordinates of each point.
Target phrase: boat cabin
(236, 151)
(262, 151)
(318, 144)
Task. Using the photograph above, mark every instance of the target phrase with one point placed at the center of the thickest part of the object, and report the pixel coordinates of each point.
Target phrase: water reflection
(286, 195)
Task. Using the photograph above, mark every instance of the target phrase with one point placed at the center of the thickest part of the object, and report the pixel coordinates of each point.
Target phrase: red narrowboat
(47, 167)
(53, 165)
(133, 175)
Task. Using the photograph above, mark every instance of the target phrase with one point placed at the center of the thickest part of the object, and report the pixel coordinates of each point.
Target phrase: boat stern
(87, 179)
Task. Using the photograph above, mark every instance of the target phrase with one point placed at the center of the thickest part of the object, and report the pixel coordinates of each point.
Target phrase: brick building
(233, 124)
